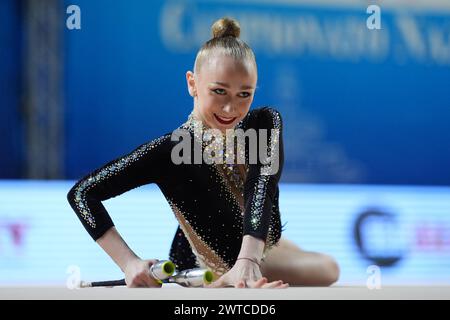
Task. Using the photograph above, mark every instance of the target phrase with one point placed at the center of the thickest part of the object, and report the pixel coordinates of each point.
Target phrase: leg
(289, 263)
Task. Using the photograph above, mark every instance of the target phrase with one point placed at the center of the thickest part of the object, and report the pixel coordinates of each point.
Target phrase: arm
(143, 165)
(261, 185)
(259, 195)
(134, 268)
(113, 244)
(252, 248)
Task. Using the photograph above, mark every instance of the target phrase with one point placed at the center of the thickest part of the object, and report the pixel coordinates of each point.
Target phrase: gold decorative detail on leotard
(206, 256)
(233, 177)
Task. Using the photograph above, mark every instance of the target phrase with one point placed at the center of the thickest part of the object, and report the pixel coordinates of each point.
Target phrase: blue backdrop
(11, 142)
(359, 105)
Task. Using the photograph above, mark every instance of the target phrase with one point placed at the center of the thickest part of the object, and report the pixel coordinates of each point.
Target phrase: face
(223, 91)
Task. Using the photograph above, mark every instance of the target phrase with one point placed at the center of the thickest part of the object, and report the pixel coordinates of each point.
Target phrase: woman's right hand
(137, 274)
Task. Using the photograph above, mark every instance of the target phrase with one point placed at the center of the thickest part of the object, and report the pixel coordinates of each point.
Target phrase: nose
(228, 108)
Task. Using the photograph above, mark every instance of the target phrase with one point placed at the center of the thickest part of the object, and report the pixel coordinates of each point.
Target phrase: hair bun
(226, 27)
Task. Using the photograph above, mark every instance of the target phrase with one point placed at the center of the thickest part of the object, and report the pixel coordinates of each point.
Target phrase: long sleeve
(142, 166)
(261, 186)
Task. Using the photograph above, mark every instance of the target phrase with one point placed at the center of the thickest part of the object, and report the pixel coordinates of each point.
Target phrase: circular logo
(377, 236)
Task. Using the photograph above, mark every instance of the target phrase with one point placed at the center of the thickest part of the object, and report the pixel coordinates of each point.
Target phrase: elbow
(274, 115)
(71, 195)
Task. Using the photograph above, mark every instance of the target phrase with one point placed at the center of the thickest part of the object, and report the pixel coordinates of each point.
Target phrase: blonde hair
(225, 40)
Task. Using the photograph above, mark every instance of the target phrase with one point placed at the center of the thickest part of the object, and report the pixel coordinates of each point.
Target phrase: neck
(200, 131)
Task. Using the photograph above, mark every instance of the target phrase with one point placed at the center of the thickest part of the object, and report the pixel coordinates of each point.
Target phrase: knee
(331, 270)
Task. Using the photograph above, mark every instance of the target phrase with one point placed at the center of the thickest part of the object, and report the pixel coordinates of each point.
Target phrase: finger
(143, 282)
(147, 281)
(274, 284)
(240, 284)
(258, 283)
(152, 262)
(136, 283)
(261, 282)
(282, 285)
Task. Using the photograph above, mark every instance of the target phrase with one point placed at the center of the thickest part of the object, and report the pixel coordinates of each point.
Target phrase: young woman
(228, 214)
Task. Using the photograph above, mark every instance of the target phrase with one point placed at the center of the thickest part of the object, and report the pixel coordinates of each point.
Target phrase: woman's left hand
(245, 274)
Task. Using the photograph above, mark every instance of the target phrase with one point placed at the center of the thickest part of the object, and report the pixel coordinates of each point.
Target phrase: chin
(223, 127)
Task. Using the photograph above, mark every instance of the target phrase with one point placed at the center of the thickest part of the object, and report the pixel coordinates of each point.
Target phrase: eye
(244, 94)
(219, 91)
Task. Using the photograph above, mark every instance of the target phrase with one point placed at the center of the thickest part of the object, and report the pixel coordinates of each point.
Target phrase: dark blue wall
(11, 143)
(359, 105)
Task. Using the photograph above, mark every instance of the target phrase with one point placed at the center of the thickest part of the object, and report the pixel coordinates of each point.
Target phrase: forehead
(222, 68)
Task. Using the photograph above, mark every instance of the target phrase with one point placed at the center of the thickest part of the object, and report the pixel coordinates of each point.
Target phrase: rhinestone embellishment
(106, 172)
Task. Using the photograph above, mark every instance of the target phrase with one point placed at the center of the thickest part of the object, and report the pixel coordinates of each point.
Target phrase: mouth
(224, 120)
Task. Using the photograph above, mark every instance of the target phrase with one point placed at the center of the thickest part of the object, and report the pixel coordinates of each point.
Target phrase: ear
(191, 83)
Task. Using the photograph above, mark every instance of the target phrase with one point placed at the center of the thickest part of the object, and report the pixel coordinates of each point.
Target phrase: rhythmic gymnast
(227, 210)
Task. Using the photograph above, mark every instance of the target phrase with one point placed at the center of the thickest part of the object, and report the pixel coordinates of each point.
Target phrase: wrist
(132, 259)
(252, 248)
(113, 244)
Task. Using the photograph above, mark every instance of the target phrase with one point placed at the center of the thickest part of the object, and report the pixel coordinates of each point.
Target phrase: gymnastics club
(159, 271)
(187, 278)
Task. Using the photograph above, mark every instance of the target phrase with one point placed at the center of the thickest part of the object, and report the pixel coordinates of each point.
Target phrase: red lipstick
(224, 121)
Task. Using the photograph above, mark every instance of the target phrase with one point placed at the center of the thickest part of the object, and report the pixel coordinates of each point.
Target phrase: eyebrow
(244, 87)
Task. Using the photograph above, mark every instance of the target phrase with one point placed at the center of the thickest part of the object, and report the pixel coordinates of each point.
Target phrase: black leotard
(214, 211)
